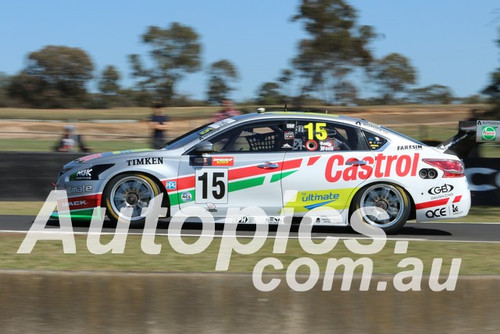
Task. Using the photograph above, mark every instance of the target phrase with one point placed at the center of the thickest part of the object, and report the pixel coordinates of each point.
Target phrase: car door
(335, 161)
(242, 170)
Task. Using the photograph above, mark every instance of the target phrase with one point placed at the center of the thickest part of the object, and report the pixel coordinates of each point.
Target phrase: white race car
(277, 160)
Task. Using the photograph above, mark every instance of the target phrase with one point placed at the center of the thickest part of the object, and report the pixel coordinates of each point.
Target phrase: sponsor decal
(289, 135)
(273, 220)
(455, 209)
(171, 185)
(78, 203)
(319, 199)
(371, 125)
(379, 166)
(290, 125)
(409, 147)
(375, 142)
(186, 196)
(145, 161)
(79, 189)
(444, 189)
(297, 144)
(287, 146)
(89, 173)
(211, 161)
(311, 145)
(327, 146)
(222, 161)
(436, 213)
(488, 133)
(305, 201)
(205, 131)
(84, 174)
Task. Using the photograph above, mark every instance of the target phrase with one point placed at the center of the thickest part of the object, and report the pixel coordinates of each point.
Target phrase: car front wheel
(129, 192)
(391, 202)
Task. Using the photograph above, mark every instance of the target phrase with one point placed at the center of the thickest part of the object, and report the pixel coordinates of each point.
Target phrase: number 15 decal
(211, 186)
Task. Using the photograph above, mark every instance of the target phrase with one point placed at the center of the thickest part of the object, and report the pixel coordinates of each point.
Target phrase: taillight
(451, 168)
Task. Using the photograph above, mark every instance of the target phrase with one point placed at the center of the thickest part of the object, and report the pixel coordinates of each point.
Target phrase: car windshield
(198, 133)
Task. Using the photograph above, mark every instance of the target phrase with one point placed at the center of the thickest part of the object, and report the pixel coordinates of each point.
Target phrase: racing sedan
(299, 161)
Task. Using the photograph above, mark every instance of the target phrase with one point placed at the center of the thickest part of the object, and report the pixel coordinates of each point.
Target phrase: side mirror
(204, 147)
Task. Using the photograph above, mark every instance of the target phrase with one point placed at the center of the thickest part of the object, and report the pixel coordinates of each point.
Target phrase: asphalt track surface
(463, 232)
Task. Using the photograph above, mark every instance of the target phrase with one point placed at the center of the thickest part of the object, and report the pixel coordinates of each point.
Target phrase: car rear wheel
(129, 191)
(393, 201)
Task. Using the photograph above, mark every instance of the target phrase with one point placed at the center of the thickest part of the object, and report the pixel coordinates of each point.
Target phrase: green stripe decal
(177, 197)
(244, 184)
(282, 175)
(75, 214)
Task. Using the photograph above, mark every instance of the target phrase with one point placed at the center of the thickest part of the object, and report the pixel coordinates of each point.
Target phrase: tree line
(336, 51)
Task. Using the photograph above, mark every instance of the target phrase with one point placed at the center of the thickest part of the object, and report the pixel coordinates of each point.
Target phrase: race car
(307, 163)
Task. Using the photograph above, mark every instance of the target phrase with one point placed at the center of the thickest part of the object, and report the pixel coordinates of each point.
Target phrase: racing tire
(394, 201)
(133, 190)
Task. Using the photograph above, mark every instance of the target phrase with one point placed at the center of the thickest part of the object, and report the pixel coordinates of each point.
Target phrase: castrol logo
(379, 166)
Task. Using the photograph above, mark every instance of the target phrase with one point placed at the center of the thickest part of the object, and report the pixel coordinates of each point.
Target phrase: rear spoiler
(470, 135)
(463, 142)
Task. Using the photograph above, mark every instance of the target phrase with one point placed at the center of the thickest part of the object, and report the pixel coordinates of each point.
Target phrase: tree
(345, 92)
(175, 51)
(337, 45)
(4, 83)
(394, 74)
(108, 84)
(55, 77)
(221, 73)
(268, 93)
(285, 79)
(433, 94)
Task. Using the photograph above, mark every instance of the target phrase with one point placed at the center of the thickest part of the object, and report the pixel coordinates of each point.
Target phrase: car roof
(300, 115)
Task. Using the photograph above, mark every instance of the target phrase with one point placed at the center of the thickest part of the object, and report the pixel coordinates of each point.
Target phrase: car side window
(327, 136)
(256, 137)
(374, 141)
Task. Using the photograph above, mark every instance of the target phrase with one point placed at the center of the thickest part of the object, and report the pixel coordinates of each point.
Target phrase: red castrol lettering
(379, 166)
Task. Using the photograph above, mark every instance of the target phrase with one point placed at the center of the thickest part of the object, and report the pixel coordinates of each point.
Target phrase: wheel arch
(391, 182)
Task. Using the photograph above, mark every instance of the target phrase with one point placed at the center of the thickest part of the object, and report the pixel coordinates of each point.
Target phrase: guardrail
(26, 176)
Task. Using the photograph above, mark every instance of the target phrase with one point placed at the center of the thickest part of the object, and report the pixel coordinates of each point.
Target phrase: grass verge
(477, 258)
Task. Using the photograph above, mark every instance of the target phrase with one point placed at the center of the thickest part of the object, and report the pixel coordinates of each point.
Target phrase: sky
(449, 42)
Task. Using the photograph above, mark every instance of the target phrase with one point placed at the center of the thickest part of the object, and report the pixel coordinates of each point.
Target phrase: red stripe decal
(83, 202)
(312, 161)
(290, 164)
(188, 181)
(425, 205)
(457, 199)
(239, 173)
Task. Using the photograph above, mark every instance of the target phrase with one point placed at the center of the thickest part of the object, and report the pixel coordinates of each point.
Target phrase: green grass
(477, 258)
